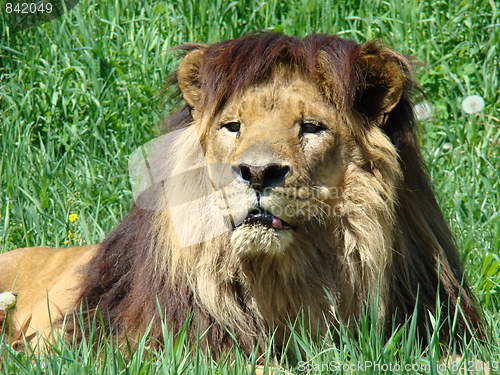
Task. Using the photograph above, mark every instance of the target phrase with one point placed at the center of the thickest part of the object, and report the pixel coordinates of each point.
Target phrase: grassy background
(79, 94)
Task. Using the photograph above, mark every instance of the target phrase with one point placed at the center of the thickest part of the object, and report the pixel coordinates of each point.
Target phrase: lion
(298, 187)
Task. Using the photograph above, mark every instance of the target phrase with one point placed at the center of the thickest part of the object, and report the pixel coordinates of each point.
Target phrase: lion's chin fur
(258, 239)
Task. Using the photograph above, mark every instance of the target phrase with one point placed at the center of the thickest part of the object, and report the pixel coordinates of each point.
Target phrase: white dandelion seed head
(422, 111)
(7, 300)
(447, 146)
(473, 104)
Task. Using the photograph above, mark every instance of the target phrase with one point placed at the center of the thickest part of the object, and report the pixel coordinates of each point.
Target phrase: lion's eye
(310, 128)
(233, 127)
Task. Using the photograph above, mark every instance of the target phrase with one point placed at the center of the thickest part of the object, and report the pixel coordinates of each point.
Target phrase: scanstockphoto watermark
(372, 366)
(209, 199)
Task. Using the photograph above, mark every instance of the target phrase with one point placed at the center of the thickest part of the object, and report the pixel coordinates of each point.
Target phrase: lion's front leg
(47, 284)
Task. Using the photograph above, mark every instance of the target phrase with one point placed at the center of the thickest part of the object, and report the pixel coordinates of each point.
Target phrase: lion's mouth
(262, 217)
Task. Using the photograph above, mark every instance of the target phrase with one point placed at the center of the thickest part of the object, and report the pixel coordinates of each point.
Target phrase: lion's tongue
(277, 223)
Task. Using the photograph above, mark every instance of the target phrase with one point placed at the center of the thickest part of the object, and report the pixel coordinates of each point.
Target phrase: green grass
(79, 94)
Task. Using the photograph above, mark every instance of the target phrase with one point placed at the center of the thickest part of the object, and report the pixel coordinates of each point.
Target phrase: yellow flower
(73, 217)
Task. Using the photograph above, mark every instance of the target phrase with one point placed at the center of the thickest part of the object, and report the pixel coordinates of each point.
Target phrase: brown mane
(123, 279)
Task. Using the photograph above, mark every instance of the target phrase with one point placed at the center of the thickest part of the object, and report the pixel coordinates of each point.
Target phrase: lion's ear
(382, 81)
(188, 76)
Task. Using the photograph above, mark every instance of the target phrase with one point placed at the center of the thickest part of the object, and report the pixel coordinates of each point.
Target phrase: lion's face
(290, 141)
(285, 147)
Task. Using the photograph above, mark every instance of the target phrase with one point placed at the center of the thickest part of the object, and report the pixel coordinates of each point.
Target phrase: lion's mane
(388, 226)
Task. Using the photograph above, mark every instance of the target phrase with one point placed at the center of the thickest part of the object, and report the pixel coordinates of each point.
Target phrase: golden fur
(332, 123)
(43, 277)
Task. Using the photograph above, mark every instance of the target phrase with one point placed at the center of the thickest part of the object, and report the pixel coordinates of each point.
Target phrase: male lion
(310, 160)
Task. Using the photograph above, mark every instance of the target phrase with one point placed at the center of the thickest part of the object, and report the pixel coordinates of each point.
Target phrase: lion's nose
(261, 177)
